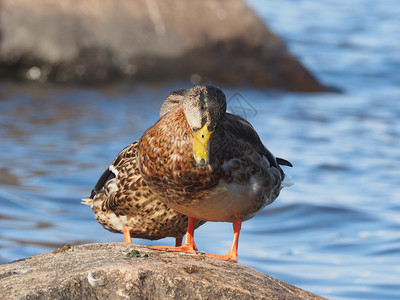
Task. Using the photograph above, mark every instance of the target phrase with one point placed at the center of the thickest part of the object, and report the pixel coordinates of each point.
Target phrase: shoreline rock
(106, 271)
(96, 41)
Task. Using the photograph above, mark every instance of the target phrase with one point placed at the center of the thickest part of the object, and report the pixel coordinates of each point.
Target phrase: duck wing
(241, 129)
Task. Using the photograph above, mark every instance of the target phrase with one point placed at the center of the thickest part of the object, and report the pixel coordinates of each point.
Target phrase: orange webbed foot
(232, 254)
(232, 257)
(185, 248)
(188, 247)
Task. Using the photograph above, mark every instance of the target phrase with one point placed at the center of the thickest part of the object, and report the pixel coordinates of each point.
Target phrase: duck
(208, 164)
(123, 203)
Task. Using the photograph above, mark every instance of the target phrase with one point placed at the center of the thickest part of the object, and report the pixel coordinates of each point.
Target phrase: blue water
(336, 232)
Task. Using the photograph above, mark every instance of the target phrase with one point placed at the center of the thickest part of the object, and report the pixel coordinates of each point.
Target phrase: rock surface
(104, 271)
(222, 41)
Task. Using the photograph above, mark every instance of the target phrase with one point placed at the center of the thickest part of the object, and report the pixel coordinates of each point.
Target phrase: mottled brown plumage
(121, 199)
(236, 155)
(230, 181)
(168, 165)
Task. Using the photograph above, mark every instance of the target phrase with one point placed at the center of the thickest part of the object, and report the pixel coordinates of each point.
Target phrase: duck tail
(287, 181)
(283, 162)
(87, 201)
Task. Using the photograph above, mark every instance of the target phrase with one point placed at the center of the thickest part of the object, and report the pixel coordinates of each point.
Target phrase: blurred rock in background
(97, 41)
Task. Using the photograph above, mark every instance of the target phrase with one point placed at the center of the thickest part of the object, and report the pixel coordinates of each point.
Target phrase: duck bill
(201, 140)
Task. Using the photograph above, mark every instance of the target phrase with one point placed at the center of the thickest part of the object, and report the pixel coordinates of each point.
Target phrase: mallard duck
(208, 164)
(123, 203)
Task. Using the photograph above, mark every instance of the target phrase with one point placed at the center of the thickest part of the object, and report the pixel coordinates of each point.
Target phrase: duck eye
(203, 103)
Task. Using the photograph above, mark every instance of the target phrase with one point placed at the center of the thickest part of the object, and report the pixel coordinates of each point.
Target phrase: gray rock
(105, 271)
(219, 41)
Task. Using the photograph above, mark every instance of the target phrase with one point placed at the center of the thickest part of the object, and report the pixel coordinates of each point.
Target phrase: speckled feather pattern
(241, 178)
(167, 163)
(125, 200)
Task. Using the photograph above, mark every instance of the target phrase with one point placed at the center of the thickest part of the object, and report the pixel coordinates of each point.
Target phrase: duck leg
(232, 254)
(189, 246)
(127, 236)
(178, 241)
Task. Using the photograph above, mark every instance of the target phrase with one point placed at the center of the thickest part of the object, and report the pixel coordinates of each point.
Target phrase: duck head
(203, 106)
